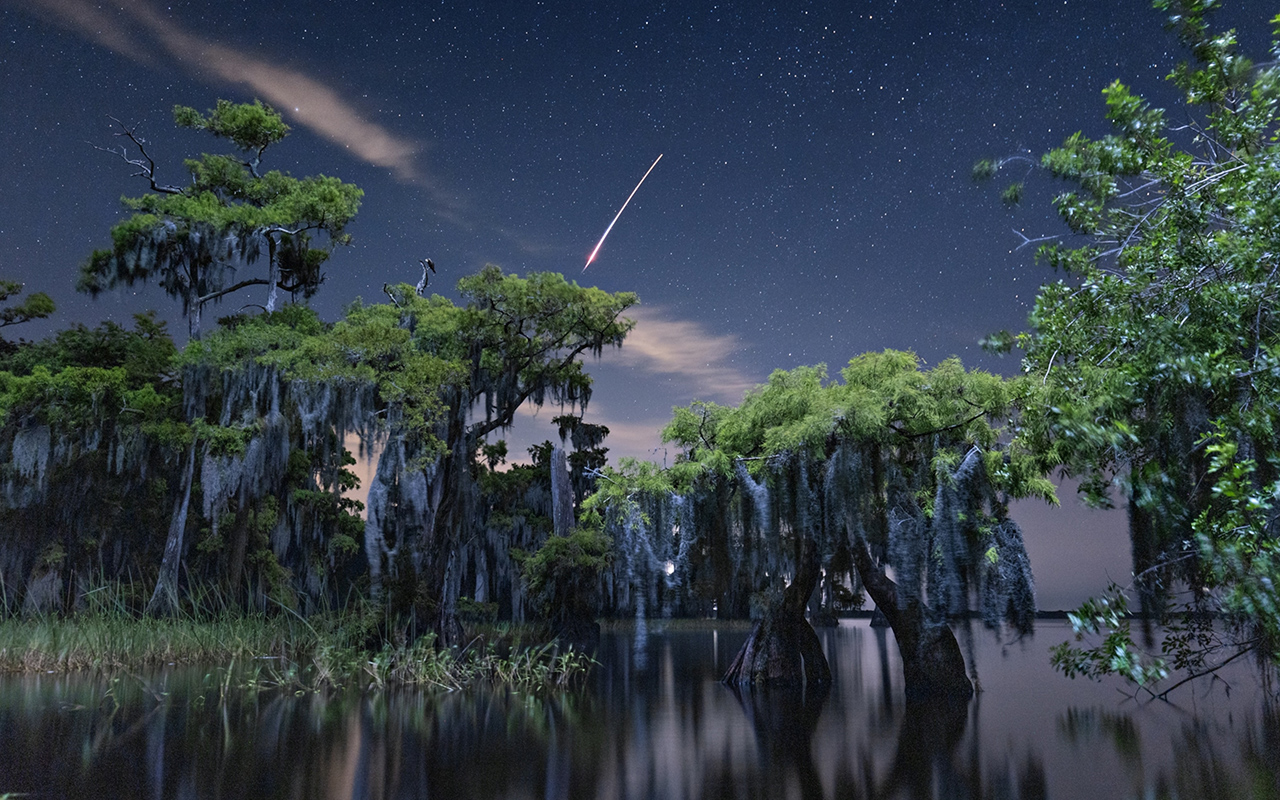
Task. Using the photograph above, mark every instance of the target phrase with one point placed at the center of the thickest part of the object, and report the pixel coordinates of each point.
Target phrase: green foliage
(890, 466)
(88, 420)
(1115, 654)
(618, 483)
(451, 376)
(250, 126)
(83, 379)
(1154, 364)
(524, 338)
(473, 611)
(393, 350)
(494, 454)
(37, 306)
(563, 575)
(985, 169)
(1240, 556)
(884, 398)
(194, 239)
(254, 415)
(1012, 194)
(257, 410)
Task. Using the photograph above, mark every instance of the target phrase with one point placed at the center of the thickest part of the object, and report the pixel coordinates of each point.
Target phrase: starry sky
(813, 201)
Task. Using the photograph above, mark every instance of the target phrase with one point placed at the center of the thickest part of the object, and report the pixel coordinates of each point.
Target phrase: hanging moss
(249, 426)
(885, 471)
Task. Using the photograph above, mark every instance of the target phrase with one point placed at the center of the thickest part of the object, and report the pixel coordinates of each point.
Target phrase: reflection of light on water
(674, 731)
(640, 647)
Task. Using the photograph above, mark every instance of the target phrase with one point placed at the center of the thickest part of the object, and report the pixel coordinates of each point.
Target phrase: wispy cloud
(92, 22)
(664, 360)
(142, 33)
(628, 437)
(686, 351)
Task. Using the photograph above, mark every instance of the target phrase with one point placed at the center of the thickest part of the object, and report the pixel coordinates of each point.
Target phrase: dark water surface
(651, 723)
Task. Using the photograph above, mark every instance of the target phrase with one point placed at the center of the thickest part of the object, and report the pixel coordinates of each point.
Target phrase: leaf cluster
(563, 574)
(887, 399)
(524, 339)
(191, 238)
(84, 378)
(1154, 363)
(37, 305)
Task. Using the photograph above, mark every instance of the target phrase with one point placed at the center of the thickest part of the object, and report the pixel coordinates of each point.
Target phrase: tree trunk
(932, 664)
(782, 648)
(273, 273)
(561, 493)
(235, 562)
(164, 600)
(451, 510)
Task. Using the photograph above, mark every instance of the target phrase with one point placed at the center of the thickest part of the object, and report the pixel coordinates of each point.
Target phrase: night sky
(813, 200)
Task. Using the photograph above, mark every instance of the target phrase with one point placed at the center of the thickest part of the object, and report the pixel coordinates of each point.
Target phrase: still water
(652, 722)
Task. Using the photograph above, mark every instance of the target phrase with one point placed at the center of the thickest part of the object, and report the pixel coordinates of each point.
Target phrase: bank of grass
(112, 641)
(325, 651)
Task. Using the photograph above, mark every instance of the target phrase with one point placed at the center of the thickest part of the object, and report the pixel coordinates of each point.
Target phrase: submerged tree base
(936, 671)
(782, 648)
(932, 665)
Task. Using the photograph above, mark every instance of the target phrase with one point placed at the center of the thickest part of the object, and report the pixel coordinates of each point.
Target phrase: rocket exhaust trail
(600, 243)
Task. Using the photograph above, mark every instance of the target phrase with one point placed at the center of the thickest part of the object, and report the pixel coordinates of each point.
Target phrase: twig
(1211, 671)
(1027, 240)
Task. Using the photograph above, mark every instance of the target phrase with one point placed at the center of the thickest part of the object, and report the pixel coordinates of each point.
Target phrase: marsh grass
(91, 641)
(277, 650)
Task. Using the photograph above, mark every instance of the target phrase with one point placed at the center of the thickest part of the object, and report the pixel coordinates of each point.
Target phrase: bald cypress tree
(811, 490)
(516, 340)
(198, 239)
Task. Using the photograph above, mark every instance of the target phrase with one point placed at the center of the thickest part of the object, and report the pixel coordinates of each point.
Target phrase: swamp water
(651, 722)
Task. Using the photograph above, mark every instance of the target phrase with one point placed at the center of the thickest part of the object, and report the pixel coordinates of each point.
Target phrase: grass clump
(280, 649)
(97, 641)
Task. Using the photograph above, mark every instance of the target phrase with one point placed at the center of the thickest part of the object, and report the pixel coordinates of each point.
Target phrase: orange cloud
(686, 352)
(690, 361)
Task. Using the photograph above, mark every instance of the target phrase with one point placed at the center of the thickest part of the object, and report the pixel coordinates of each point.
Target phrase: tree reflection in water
(926, 762)
(784, 719)
(666, 729)
(1207, 764)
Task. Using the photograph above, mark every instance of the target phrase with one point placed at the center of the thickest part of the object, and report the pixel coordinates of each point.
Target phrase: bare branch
(1026, 240)
(145, 164)
(221, 292)
(1245, 649)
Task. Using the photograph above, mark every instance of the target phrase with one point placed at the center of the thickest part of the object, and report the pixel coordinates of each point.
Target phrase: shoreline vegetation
(218, 472)
(325, 651)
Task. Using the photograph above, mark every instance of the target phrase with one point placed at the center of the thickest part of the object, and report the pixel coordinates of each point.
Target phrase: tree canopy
(37, 305)
(514, 341)
(893, 466)
(236, 445)
(195, 240)
(1155, 361)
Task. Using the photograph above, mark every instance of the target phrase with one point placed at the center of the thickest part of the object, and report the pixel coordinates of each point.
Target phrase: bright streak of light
(600, 243)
